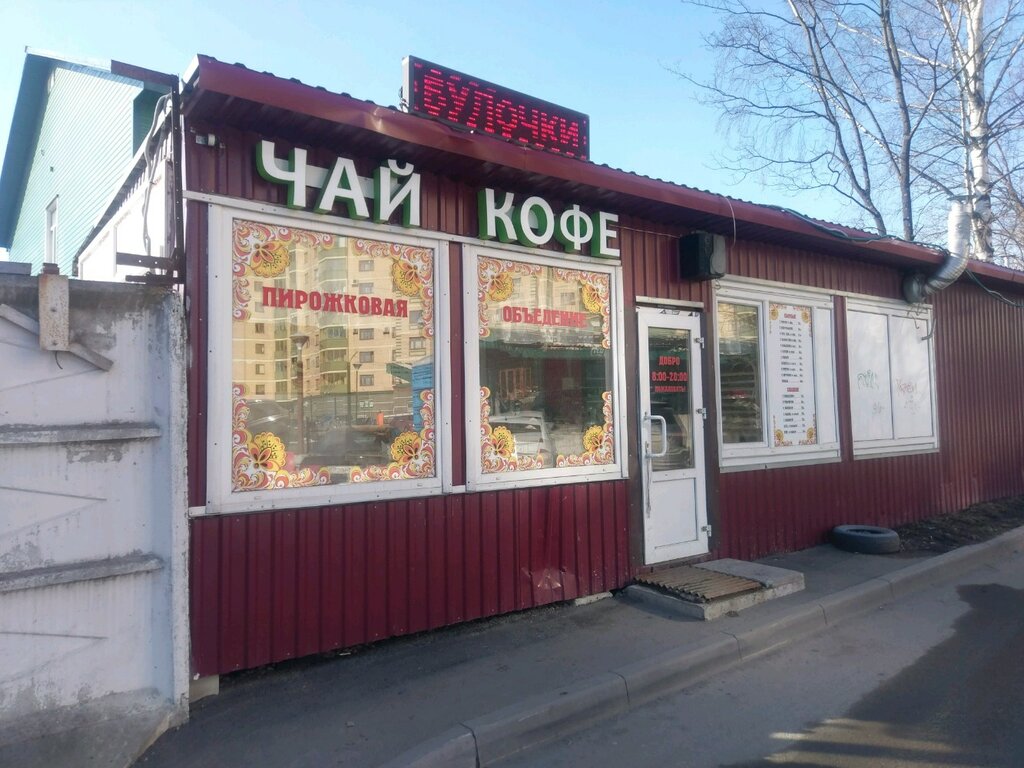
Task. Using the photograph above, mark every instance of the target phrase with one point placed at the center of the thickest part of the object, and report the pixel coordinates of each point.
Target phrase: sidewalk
(487, 689)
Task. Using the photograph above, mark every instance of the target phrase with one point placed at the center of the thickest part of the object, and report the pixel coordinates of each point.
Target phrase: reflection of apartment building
(352, 365)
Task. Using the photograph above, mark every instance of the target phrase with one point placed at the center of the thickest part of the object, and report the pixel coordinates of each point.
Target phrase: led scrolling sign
(460, 99)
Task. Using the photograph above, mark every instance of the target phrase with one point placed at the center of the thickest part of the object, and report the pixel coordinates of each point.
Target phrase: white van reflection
(530, 431)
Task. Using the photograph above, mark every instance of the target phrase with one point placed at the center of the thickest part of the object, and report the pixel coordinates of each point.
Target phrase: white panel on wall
(911, 377)
(870, 398)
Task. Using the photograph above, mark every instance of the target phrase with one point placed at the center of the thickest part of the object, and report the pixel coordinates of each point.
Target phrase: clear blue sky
(606, 59)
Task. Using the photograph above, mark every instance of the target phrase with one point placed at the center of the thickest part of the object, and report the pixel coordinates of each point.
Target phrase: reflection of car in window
(530, 431)
(400, 423)
(275, 417)
(348, 447)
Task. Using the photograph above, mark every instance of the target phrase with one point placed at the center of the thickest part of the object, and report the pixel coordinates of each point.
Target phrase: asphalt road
(936, 679)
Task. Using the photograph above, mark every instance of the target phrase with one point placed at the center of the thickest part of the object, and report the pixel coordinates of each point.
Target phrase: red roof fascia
(996, 272)
(263, 88)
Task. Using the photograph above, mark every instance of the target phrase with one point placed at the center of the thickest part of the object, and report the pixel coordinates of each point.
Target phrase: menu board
(792, 407)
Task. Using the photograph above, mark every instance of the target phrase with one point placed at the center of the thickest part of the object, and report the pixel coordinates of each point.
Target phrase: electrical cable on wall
(150, 156)
(875, 238)
(995, 294)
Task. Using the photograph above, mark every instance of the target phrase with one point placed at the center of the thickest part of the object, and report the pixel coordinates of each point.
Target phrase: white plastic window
(542, 349)
(776, 376)
(345, 413)
(892, 378)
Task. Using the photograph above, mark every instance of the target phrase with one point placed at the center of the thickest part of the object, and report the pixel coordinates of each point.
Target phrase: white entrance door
(672, 435)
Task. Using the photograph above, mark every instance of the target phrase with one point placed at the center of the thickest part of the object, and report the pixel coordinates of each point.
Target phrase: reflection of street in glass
(341, 446)
(679, 454)
(530, 431)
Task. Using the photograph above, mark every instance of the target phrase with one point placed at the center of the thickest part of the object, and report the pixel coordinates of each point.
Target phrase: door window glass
(669, 365)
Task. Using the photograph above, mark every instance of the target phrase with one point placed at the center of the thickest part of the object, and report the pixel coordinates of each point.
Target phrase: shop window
(319, 438)
(543, 362)
(892, 378)
(776, 376)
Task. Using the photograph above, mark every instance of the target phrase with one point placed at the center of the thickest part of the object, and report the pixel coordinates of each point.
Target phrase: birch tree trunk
(978, 134)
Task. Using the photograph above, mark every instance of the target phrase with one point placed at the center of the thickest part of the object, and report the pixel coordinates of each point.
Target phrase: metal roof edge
(237, 81)
(100, 65)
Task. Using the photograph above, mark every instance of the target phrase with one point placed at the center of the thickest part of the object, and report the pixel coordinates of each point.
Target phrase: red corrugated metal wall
(979, 351)
(277, 585)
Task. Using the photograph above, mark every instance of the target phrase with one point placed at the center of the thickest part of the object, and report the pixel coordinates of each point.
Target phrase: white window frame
(877, 448)
(476, 479)
(219, 496)
(762, 454)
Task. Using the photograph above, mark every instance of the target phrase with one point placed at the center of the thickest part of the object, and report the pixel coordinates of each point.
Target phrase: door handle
(664, 437)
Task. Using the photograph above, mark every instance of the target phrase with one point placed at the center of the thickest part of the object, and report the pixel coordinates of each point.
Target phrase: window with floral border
(776, 375)
(541, 353)
(353, 409)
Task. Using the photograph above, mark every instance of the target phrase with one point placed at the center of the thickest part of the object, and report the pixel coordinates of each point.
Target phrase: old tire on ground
(866, 539)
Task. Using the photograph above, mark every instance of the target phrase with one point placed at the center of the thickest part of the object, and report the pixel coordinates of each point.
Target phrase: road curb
(543, 717)
(669, 671)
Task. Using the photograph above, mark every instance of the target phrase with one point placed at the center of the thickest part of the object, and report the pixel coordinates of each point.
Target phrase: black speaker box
(699, 259)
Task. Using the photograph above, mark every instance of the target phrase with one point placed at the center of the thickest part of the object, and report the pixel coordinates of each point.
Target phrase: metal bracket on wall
(54, 320)
(170, 267)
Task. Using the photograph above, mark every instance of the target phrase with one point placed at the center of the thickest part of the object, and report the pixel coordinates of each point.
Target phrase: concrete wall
(93, 535)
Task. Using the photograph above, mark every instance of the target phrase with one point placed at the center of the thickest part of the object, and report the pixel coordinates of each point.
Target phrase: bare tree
(893, 105)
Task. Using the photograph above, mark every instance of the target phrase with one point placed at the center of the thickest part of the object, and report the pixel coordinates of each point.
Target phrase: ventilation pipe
(917, 287)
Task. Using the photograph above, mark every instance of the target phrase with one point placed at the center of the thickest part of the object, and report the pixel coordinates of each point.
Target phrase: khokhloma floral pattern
(412, 272)
(412, 453)
(262, 462)
(598, 441)
(264, 250)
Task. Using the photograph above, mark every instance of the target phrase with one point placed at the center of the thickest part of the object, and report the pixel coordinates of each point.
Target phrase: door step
(713, 589)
